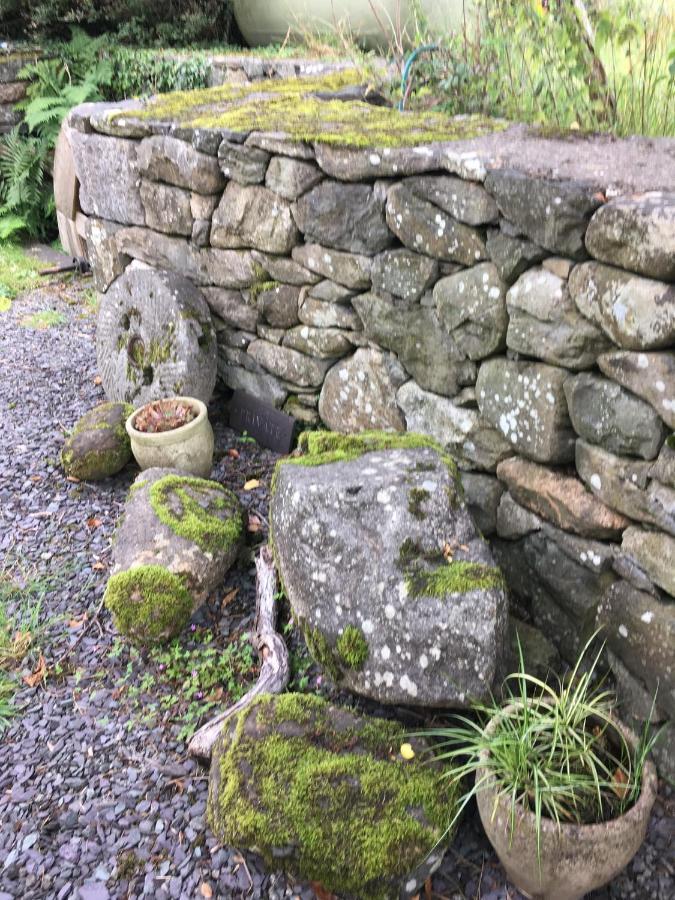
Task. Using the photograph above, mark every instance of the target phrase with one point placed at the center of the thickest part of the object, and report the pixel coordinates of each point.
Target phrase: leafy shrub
(141, 72)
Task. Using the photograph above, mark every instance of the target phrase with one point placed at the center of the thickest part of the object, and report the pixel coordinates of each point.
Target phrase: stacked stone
(12, 88)
(525, 322)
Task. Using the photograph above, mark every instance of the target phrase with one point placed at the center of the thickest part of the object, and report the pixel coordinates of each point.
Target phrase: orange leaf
(38, 674)
(98, 379)
(99, 566)
(427, 888)
(233, 453)
(321, 891)
(620, 784)
(78, 622)
(72, 479)
(229, 596)
(252, 484)
(94, 523)
(205, 890)
(254, 524)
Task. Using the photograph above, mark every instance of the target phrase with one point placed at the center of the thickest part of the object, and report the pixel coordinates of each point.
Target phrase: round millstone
(155, 338)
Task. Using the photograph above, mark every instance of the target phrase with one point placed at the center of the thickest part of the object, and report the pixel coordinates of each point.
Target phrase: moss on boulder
(326, 794)
(149, 604)
(99, 445)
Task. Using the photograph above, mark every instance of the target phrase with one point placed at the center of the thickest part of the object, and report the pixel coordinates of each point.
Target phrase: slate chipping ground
(94, 803)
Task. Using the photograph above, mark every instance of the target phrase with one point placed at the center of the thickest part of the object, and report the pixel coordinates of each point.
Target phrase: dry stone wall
(512, 296)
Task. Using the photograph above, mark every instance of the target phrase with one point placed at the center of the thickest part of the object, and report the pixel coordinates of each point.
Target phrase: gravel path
(97, 796)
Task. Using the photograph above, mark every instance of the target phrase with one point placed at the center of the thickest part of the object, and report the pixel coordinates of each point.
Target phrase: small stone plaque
(270, 427)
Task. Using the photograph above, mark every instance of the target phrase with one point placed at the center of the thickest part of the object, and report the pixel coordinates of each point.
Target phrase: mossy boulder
(189, 528)
(326, 794)
(149, 604)
(395, 589)
(98, 446)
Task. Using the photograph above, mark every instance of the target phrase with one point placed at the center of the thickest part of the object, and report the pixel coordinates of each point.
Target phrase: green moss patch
(333, 789)
(290, 106)
(458, 577)
(352, 647)
(198, 510)
(99, 445)
(149, 604)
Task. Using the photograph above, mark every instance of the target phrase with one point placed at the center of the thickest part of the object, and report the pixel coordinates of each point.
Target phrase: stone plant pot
(188, 449)
(575, 859)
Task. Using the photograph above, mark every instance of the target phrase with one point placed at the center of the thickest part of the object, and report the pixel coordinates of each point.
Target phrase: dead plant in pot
(173, 433)
(564, 789)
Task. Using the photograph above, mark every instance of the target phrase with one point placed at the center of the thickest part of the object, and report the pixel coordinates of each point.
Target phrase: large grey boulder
(233, 308)
(545, 322)
(164, 158)
(359, 393)
(167, 208)
(333, 783)
(180, 534)
(636, 313)
(290, 178)
(465, 201)
(604, 413)
(469, 439)
(155, 338)
(425, 228)
(344, 216)
(415, 334)
(95, 158)
(245, 165)
(403, 273)
(526, 402)
(396, 591)
(649, 375)
(278, 305)
(253, 216)
(636, 232)
(471, 306)
(553, 214)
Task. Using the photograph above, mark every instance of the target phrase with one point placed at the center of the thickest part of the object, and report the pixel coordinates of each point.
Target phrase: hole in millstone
(136, 351)
(202, 341)
(148, 375)
(126, 322)
(354, 490)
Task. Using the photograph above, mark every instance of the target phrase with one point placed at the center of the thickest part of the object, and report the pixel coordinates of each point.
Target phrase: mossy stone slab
(325, 793)
(98, 446)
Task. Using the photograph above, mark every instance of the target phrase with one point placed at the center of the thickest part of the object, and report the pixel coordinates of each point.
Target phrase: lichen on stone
(353, 821)
(175, 500)
(321, 651)
(149, 604)
(454, 577)
(352, 647)
(291, 107)
(416, 497)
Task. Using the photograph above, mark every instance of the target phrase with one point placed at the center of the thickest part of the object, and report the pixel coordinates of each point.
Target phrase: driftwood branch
(271, 649)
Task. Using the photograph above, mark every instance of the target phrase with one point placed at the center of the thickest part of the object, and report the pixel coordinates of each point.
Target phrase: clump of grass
(40, 321)
(18, 273)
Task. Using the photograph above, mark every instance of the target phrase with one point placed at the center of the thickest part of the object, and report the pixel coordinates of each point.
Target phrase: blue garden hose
(427, 48)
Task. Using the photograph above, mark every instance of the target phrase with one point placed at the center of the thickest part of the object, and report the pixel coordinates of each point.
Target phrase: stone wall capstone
(510, 294)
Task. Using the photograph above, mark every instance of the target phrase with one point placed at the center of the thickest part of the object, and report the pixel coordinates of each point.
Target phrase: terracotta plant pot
(574, 859)
(188, 448)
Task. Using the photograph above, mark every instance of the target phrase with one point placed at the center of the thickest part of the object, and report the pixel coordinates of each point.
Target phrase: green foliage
(611, 71)
(143, 72)
(149, 604)
(352, 647)
(552, 749)
(26, 198)
(18, 272)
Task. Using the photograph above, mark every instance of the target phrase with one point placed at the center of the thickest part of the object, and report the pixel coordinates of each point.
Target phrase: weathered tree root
(271, 649)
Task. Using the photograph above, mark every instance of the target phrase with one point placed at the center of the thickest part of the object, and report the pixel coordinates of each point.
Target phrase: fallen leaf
(321, 891)
(78, 622)
(36, 478)
(94, 523)
(229, 596)
(407, 751)
(427, 888)
(38, 674)
(233, 452)
(252, 484)
(72, 479)
(254, 524)
(98, 380)
(205, 890)
(178, 783)
(620, 784)
(99, 566)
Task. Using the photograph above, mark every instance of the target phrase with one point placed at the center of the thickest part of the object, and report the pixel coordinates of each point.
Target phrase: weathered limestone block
(344, 216)
(626, 486)
(319, 314)
(482, 494)
(559, 266)
(640, 630)
(428, 353)
(636, 313)
(514, 521)
(288, 364)
(526, 402)
(167, 208)
(260, 384)
(403, 273)
(291, 178)
(278, 306)
(649, 375)
(512, 255)
(553, 214)
(285, 270)
(105, 258)
(279, 144)
(606, 414)
(245, 165)
(357, 164)
(374, 827)
(471, 441)
(423, 227)
(544, 322)
(155, 338)
(96, 157)
(636, 233)
(663, 469)
(323, 343)
(349, 269)
(471, 306)
(233, 308)
(98, 446)
(253, 216)
(654, 552)
(176, 541)
(331, 292)
(560, 499)
(164, 158)
(203, 205)
(359, 393)
(465, 201)
(360, 548)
